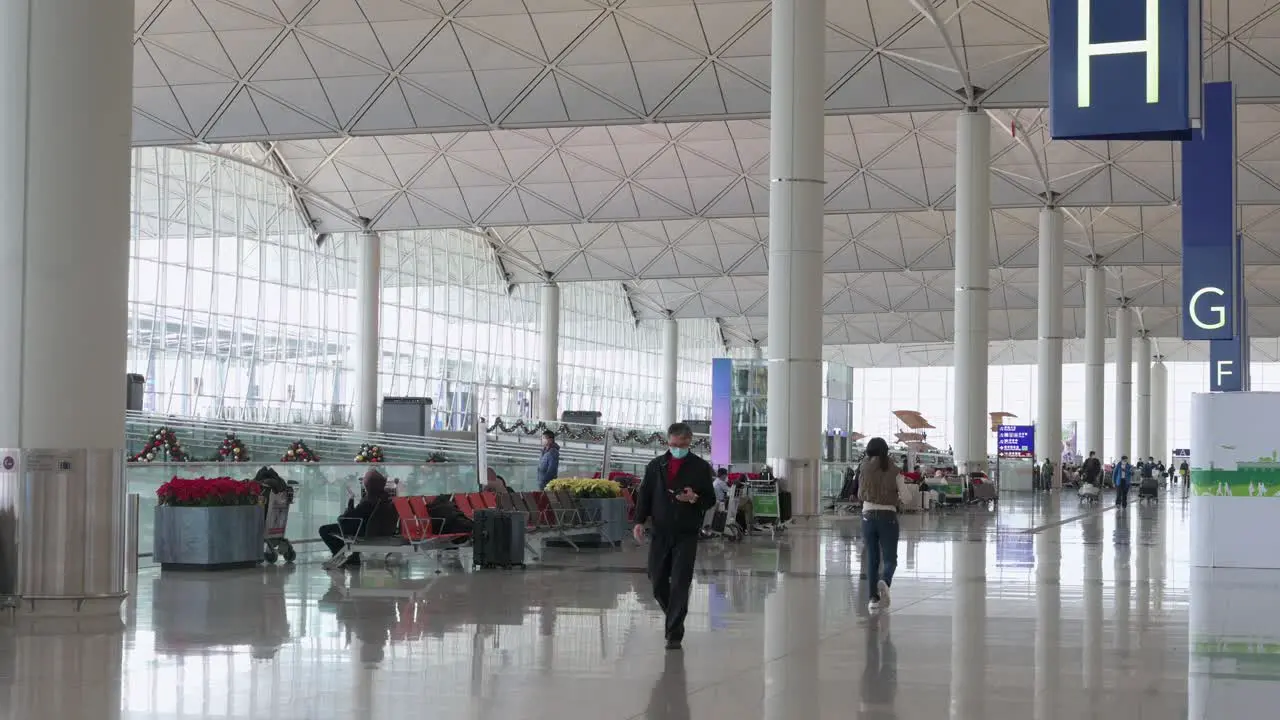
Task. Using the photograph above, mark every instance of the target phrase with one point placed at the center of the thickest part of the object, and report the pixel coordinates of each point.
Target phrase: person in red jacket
(674, 497)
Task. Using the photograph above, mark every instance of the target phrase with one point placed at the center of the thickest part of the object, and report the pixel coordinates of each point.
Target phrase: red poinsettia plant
(208, 492)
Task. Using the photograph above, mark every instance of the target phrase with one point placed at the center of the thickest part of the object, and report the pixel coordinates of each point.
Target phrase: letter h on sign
(1146, 57)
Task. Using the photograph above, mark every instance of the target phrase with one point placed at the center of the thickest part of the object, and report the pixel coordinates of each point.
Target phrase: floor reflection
(1041, 609)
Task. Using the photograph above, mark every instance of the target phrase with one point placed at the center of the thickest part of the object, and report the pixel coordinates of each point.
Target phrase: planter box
(208, 538)
(613, 511)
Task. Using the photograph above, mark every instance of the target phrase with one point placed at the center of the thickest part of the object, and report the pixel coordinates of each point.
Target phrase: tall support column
(65, 113)
(549, 367)
(1049, 349)
(368, 331)
(973, 280)
(1160, 409)
(1142, 426)
(757, 351)
(1095, 357)
(670, 371)
(1124, 381)
(795, 247)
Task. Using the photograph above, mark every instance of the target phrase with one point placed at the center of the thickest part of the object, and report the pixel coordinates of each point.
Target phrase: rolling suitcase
(497, 539)
(1148, 489)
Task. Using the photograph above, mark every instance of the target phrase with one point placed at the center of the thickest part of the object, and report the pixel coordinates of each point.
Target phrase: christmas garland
(163, 446)
(369, 454)
(590, 434)
(299, 452)
(232, 450)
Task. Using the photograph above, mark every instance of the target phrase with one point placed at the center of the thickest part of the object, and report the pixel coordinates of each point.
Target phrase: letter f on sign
(1222, 370)
(1086, 50)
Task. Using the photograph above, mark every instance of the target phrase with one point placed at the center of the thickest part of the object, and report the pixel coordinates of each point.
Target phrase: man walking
(1092, 470)
(674, 496)
(1122, 476)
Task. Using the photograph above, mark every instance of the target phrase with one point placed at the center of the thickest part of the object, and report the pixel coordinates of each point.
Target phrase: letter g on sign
(1220, 310)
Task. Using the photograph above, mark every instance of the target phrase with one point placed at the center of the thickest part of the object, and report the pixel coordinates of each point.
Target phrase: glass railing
(322, 488)
(321, 491)
(831, 479)
(523, 477)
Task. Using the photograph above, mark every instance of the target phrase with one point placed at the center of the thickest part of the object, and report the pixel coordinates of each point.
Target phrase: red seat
(463, 501)
(477, 501)
(631, 503)
(419, 505)
(411, 526)
(544, 508)
(489, 499)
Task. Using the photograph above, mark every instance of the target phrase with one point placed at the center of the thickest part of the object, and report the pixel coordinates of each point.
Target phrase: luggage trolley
(277, 496)
(766, 502)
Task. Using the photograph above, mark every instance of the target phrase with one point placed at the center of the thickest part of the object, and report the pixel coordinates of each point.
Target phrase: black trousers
(671, 559)
(331, 535)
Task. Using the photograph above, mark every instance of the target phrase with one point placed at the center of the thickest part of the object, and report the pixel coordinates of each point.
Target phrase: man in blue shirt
(1122, 476)
(549, 463)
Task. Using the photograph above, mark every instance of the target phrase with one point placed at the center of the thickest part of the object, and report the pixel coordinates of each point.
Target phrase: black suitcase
(784, 505)
(719, 520)
(497, 539)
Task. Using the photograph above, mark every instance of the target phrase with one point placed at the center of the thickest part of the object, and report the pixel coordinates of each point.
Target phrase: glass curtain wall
(235, 313)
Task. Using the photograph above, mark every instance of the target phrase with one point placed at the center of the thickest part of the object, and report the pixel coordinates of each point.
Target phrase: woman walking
(880, 489)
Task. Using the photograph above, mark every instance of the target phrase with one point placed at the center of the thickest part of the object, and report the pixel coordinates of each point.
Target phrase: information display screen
(1016, 441)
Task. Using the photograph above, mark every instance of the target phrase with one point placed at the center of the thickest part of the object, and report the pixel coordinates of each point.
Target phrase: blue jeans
(1122, 492)
(880, 537)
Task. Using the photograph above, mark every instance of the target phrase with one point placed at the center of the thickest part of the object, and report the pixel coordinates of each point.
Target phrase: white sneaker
(883, 589)
(873, 606)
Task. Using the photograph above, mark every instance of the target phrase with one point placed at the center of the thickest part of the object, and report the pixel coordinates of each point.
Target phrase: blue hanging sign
(1124, 69)
(1210, 258)
(1229, 358)
(1016, 441)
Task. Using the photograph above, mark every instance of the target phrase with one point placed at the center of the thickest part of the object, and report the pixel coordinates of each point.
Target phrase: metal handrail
(205, 433)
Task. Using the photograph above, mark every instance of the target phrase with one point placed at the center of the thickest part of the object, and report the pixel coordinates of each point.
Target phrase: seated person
(495, 483)
(373, 517)
(721, 485)
(724, 490)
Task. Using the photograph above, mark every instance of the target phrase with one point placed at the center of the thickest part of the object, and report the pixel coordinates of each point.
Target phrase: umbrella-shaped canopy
(910, 437)
(912, 419)
(998, 419)
(856, 436)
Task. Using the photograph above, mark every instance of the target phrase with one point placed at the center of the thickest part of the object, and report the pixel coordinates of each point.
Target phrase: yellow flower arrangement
(586, 487)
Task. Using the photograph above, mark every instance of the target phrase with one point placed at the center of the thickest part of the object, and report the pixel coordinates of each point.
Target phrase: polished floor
(1038, 610)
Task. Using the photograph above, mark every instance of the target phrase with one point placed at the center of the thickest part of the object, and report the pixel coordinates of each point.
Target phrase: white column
(973, 274)
(1142, 425)
(368, 337)
(757, 351)
(1160, 410)
(65, 114)
(670, 372)
(549, 367)
(1049, 349)
(1095, 357)
(1124, 382)
(795, 247)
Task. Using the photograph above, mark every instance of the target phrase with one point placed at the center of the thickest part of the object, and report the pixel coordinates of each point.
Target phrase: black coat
(656, 501)
(377, 516)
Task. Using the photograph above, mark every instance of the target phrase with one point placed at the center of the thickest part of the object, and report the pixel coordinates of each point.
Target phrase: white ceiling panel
(431, 66)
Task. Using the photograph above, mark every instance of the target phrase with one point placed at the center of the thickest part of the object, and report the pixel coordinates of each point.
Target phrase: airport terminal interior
(486, 268)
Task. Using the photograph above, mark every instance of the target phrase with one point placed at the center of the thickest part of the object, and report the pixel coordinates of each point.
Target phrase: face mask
(679, 453)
